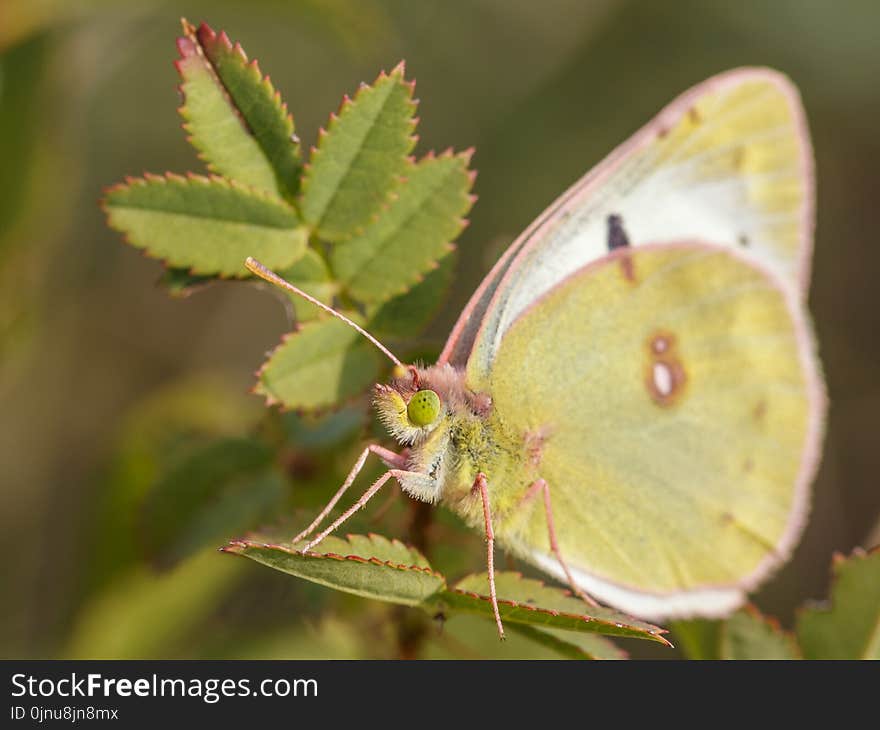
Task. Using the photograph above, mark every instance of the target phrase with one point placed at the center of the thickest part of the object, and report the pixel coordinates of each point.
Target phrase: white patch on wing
(662, 378)
(662, 208)
(665, 190)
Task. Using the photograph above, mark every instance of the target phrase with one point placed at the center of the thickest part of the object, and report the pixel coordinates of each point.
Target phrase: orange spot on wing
(628, 269)
(760, 410)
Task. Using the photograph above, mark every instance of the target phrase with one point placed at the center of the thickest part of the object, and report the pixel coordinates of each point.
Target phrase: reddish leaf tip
(241, 52)
(205, 33)
(186, 48)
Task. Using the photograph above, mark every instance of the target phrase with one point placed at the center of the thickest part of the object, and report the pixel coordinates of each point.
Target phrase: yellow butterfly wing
(728, 161)
(678, 396)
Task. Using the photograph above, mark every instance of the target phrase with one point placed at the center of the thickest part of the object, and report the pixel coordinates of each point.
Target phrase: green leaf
(209, 225)
(244, 502)
(369, 566)
(408, 314)
(319, 365)
(750, 635)
(527, 601)
(698, 638)
(571, 644)
(234, 116)
(848, 628)
(163, 427)
(311, 275)
(406, 240)
(325, 432)
(360, 157)
(747, 634)
(224, 487)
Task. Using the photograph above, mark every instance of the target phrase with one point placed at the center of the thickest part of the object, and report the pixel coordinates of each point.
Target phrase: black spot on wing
(617, 237)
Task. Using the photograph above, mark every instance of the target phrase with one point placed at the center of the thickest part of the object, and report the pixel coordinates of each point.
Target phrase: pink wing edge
(467, 327)
(812, 450)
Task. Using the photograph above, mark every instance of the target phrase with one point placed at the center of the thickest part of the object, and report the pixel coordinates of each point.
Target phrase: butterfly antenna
(257, 268)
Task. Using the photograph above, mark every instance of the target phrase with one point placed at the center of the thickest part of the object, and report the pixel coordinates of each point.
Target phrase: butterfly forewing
(727, 162)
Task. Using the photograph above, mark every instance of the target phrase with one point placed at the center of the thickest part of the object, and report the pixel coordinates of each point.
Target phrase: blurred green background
(110, 390)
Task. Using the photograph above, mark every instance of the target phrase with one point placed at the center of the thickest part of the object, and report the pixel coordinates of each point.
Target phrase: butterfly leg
(375, 487)
(481, 486)
(389, 457)
(541, 486)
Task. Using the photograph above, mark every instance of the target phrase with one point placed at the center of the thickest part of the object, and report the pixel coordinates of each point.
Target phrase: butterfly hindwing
(679, 401)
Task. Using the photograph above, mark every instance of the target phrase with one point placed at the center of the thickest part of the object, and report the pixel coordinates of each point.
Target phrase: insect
(632, 399)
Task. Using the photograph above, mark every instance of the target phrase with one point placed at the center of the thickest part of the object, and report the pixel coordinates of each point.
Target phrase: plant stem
(412, 626)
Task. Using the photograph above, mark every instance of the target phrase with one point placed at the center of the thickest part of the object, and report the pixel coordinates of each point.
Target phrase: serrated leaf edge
(770, 622)
(828, 605)
(191, 36)
(130, 181)
(655, 633)
(236, 546)
(270, 400)
(177, 178)
(463, 222)
(434, 309)
(554, 643)
(655, 636)
(315, 150)
(401, 179)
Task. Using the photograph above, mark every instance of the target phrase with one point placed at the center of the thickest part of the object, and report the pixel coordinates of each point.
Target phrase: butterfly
(632, 399)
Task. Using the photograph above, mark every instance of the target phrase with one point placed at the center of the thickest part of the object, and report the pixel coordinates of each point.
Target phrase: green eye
(423, 408)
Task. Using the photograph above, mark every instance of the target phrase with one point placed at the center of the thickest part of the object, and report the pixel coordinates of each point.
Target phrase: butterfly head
(414, 403)
(408, 406)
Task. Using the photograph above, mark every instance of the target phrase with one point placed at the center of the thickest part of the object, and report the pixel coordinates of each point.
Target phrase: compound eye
(423, 408)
